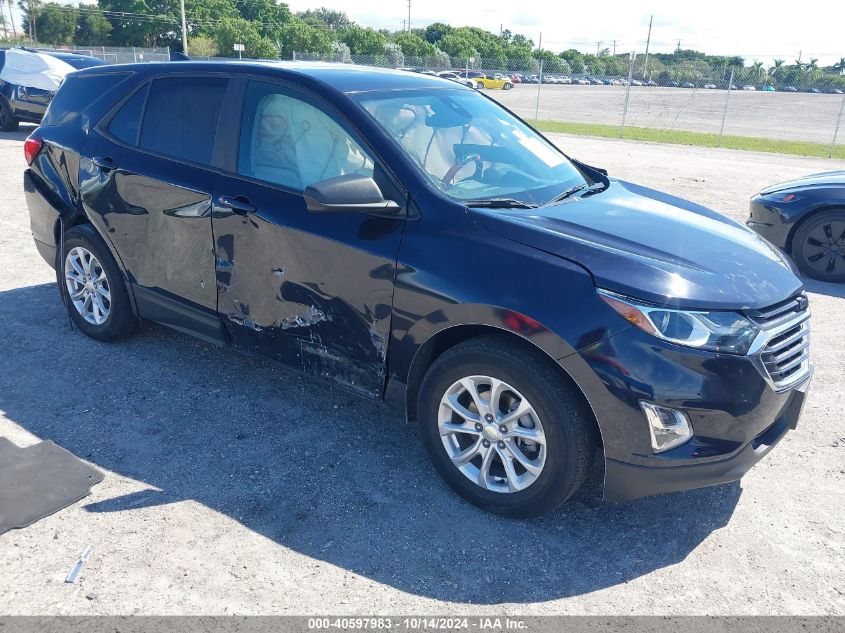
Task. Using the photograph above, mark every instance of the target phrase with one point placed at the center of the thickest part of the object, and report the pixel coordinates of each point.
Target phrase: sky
(754, 29)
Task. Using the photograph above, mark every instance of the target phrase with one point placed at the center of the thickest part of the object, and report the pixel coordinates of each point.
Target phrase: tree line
(271, 30)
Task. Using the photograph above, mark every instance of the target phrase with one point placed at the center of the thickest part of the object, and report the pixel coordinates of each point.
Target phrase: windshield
(472, 149)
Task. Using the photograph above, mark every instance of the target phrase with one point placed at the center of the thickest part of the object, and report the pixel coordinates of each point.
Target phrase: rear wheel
(8, 122)
(503, 427)
(92, 287)
(507, 86)
(818, 246)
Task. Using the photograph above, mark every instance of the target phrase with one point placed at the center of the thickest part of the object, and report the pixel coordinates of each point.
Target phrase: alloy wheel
(87, 285)
(824, 248)
(492, 434)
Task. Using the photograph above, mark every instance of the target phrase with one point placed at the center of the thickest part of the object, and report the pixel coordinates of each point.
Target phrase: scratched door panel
(156, 212)
(311, 290)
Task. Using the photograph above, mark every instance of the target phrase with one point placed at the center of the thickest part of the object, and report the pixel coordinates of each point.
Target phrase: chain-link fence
(119, 54)
(786, 106)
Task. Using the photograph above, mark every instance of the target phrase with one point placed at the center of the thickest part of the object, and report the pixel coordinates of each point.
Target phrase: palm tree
(778, 63)
(756, 71)
(12, 16)
(814, 63)
(799, 64)
(840, 67)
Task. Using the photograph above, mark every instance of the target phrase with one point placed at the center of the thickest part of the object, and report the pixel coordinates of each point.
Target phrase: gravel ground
(779, 115)
(233, 486)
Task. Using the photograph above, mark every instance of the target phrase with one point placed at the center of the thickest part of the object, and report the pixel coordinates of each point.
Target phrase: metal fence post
(836, 130)
(633, 56)
(539, 85)
(725, 113)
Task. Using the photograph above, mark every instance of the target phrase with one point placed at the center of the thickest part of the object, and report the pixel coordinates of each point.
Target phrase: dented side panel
(313, 291)
(156, 212)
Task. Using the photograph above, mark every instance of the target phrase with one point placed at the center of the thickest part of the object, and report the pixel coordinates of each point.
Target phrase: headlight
(712, 330)
(780, 197)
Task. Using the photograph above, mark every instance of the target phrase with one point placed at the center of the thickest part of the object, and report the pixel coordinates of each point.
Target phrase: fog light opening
(669, 428)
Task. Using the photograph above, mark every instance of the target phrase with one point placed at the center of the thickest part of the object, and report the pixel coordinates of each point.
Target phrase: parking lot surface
(775, 115)
(236, 487)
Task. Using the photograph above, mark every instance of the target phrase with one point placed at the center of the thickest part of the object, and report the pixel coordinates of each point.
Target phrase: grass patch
(701, 139)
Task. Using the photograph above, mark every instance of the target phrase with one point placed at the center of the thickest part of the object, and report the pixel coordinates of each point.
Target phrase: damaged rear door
(311, 290)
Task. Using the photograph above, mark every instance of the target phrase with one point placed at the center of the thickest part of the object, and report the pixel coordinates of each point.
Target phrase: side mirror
(351, 193)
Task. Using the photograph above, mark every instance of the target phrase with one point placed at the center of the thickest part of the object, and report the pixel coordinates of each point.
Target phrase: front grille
(780, 312)
(786, 352)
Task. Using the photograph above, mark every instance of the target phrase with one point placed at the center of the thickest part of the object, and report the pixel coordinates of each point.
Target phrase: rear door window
(181, 116)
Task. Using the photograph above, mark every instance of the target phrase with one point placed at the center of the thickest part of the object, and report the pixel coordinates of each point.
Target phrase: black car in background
(20, 104)
(76, 60)
(407, 238)
(24, 101)
(806, 218)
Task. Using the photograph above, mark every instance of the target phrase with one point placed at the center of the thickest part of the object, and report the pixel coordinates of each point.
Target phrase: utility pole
(409, 16)
(598, 46)
(647, 42)
(184, 28)
(614, 48)
(678, 50)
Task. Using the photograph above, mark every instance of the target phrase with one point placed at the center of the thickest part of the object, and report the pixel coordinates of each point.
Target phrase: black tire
(811, 242)
(507, 86)
(569, 431)
(8, 122)
(120, 321)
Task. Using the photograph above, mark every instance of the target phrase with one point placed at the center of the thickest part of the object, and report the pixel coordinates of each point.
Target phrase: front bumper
(771, 221)
(736, 413)
(624, 482)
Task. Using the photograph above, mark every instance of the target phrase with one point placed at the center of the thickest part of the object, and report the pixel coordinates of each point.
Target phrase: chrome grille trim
(782, 348)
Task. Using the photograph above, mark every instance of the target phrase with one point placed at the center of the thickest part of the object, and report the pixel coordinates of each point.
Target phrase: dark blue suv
(406, 237)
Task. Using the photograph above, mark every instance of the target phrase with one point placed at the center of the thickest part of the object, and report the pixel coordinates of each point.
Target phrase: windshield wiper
(565, 194)
(596, 187)
(499, 203)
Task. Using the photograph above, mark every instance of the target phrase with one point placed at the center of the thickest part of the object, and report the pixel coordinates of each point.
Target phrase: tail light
(31, 146)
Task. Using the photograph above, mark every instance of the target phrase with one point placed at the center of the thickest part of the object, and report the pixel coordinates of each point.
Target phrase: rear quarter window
(77, 93)
(126, 124)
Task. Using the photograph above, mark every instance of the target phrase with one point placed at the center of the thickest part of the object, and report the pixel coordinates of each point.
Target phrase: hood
(652, 246)
(814, 180)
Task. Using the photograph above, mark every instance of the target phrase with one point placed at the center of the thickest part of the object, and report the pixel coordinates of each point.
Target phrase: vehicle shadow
(315, 469)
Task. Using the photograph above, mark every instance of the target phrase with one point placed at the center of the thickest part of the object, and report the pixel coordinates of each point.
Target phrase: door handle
(239, 204)
(104, 163)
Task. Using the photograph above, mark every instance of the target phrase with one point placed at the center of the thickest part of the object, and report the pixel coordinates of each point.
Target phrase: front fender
(480, 315)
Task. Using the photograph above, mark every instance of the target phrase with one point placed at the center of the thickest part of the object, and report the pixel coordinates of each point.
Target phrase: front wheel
(504, 428)
(507, 86)
(818, 246)
(92, 287)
